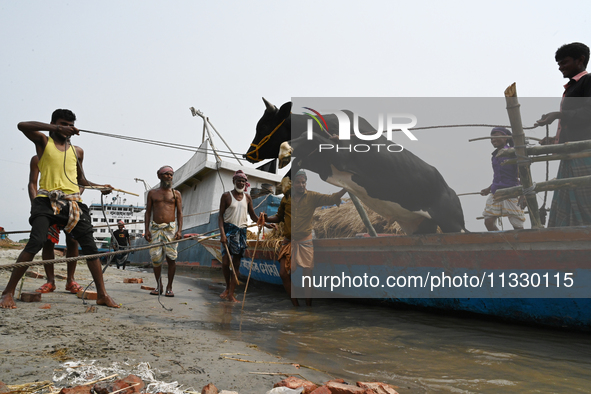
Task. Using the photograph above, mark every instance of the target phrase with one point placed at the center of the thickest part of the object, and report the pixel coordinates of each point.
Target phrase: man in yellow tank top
(58, 199)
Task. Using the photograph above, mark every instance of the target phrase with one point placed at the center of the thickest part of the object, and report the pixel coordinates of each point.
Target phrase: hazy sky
(135, 67)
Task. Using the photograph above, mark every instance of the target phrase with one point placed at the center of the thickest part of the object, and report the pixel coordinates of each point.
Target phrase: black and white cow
(399, 186)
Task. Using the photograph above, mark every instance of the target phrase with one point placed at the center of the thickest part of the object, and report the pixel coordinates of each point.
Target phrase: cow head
(272, 129)
(307, 155)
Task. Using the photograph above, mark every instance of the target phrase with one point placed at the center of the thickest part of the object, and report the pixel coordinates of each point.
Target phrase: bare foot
(108, 301)
(224, 294)
(7, 301)
(232, 298)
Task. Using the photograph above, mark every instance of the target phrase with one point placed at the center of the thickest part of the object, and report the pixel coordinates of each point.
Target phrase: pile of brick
(337, 386)
(134, 385)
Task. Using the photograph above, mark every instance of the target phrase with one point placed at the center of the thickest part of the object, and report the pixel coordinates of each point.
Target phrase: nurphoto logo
(344, 133)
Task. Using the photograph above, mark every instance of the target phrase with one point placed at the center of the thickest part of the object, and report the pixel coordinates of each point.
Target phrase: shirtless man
(235, 206)
(58, 199)
(164, 202)
(52, 239)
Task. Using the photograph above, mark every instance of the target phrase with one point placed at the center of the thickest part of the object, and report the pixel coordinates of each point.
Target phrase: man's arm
(82, 181)
(33, 177)
(251, 212)
(33, 131)
(279, 216)
(148, 217)
(223, 205)
(179, 214)
(329, 199)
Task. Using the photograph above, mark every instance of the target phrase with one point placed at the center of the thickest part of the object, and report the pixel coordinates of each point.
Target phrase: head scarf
(163, 170)
(120, 223)
(241, 175)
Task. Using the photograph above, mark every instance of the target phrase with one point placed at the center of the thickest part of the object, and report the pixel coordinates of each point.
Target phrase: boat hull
(530, 251)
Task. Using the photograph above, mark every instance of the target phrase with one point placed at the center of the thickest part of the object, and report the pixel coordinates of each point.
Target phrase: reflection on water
(417, 351)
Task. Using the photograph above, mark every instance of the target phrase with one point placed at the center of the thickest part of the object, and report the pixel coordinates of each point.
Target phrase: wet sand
(179, 345)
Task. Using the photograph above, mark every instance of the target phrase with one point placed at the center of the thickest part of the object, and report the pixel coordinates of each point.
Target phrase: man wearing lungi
(296, 210)
(235, 207)
(163, 223)
(572, 207)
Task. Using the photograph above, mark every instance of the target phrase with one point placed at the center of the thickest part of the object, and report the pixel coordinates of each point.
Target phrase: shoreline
(178, 345)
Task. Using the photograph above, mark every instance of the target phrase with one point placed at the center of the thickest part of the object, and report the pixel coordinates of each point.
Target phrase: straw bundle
(344, 222)
(334, 222)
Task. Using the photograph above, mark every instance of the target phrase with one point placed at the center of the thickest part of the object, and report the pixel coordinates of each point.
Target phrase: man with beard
(58, 199)
(235, 207)
(164, 225)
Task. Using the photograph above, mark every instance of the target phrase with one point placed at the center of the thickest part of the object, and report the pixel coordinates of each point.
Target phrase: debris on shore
(84, 377)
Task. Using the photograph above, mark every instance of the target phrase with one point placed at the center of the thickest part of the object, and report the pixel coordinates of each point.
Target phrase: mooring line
(93, 256)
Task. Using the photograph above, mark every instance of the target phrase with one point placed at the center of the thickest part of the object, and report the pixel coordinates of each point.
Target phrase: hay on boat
(345, 222)
(333, 222)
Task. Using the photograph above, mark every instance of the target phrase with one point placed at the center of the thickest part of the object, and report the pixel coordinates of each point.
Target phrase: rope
(92, 256)
(159, 143)
(138, 222)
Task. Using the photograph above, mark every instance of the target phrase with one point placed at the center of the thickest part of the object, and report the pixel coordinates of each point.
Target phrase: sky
(134, 68)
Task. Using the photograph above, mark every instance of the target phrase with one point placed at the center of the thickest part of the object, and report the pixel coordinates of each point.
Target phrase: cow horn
(269, 106)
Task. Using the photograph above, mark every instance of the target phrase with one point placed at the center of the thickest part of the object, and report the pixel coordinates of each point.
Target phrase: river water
(417, 351)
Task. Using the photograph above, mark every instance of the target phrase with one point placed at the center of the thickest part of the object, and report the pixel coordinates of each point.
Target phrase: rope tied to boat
(94, 256)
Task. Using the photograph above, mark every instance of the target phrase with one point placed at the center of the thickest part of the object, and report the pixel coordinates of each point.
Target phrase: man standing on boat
(297, 210)
(122, 238)
(572, 207)
(164, 225)
(58, 199)
(53, 237)
(235, 207)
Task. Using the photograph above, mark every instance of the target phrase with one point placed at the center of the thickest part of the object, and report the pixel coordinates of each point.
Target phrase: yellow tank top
(51, 168)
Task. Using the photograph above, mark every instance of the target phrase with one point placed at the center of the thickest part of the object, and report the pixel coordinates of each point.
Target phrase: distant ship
(117, 209)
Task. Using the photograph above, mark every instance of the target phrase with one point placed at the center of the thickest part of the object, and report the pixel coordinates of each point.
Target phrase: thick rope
(92, 256)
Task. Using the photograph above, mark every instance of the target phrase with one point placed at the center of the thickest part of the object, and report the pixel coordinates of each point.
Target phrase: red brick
(293, 383)
(89, 295)
(378, 387)
(3, 387)
(34, 275)
(336, 381)
(45, 306)
(321, 390)
(148, 288)
(76, 390)
(129, 385)
(31, 297)
(209, 389)
(133, 280)
(341, 388)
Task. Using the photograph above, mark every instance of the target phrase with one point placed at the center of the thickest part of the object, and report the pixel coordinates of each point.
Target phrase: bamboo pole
(363, 214)
(101, 188)
(567, 147)
(554, 184)
(232, 268)
(562, 156)
(519, 139)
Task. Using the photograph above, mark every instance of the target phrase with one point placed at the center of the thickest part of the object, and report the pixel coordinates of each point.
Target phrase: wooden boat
(548, 257)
